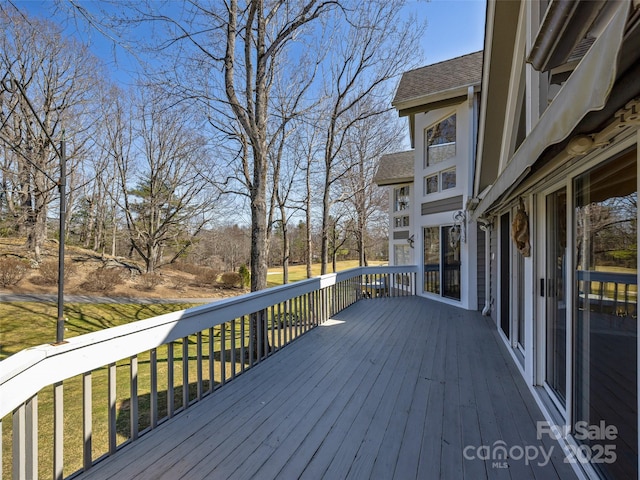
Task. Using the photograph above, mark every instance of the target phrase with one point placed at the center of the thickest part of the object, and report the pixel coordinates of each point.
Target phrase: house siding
(444, 205)
(482, 267)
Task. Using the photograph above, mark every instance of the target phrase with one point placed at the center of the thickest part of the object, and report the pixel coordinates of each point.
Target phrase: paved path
(42, 297)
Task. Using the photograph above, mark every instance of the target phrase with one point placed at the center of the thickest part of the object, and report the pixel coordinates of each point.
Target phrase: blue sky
(454, 28)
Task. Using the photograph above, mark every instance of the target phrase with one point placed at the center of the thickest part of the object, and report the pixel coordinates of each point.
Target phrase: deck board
(396, 388)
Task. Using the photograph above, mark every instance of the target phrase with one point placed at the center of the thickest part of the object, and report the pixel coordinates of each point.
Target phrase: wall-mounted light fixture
(411, 241)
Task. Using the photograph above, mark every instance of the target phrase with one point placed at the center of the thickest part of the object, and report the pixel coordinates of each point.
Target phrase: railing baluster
(271, 344)
(133, 400)
(170, 381)
(259, 333)
(285, 321)
(212, 361)
(252, 322)
(199, 364)
(295, 318)
(31, 424)
(223, 354)
(185, 372)
(305, 312)
(58, 434)
(19, 442)
(233, 348)
(273, 331)
(243, 353)
(111, 374)
(279, 320)
(153, 386)
(87, 421)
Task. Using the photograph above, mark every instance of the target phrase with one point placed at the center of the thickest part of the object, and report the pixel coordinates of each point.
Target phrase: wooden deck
(390, 388)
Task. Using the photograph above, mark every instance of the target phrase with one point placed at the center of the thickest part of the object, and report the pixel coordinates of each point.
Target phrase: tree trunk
(308, 252)
(326, 225)
(285, 245)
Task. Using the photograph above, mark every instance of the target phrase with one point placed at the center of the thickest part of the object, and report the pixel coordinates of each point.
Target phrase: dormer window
(440, 142)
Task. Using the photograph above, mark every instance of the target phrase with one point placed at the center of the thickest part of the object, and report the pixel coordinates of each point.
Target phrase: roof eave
(385, 182)
(424, 103)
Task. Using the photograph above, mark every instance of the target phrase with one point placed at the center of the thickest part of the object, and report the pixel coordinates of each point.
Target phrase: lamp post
(11, 85)
(63, 212)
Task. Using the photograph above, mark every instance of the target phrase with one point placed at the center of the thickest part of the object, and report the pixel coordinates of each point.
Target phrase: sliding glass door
(605, 303)
(441, 260)
(553, 287)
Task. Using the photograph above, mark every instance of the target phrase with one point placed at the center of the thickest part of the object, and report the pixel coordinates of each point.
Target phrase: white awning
(586, 90)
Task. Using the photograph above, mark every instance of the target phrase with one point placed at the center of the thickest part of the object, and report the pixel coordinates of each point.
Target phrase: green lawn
(27, 324)
(299, 272)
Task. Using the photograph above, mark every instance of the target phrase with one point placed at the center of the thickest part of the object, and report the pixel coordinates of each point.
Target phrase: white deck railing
(95, 396)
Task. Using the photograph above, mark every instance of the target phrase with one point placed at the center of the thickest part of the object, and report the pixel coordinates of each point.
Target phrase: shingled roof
(439, 77)
(395, 168)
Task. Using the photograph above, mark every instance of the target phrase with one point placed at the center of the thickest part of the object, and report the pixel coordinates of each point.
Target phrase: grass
(28, 324)
(299, 272)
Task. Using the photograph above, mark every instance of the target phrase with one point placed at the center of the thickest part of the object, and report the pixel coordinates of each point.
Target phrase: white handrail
(24, 374)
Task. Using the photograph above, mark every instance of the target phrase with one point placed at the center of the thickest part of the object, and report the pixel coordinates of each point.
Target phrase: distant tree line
(250, 138)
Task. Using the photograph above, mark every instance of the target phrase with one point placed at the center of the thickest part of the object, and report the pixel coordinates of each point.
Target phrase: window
(402, 254)
(440, 142)
(402, 221)
(448, 179)
(401, 199)
(431, 184)
(440, 181)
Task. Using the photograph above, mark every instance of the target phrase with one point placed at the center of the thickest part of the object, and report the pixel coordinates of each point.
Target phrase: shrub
(206, 277)
(245, 275)
(48, 272)
(103, 280)
(12, 270)
(149, 281)
(230, 279)
(187, 268)
(179, 283)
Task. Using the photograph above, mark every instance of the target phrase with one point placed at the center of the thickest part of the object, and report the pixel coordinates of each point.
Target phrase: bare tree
(367, 203)
(375, 47)
(48, 88)
(166, 205)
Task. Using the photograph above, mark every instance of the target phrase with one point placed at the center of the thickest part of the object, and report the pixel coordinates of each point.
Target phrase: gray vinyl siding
(482, 266)
(444, 205)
